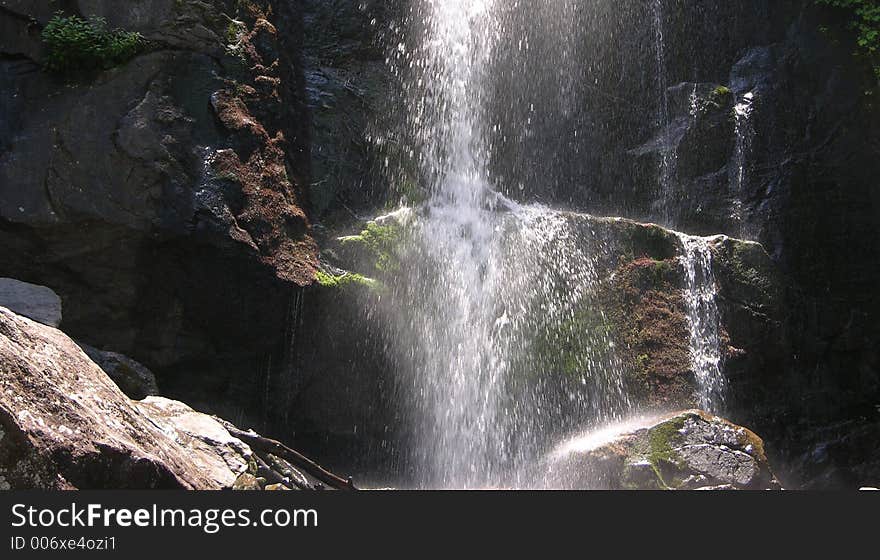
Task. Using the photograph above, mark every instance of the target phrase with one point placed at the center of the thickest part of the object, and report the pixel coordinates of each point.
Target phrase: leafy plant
(75, 44)
(864, 19)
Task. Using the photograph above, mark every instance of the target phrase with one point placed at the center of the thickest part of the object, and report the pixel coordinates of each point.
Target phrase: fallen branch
(292, 476)
(266, 445)
(271, 475)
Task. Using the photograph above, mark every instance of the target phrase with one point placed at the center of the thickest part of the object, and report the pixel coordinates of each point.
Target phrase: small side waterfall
(700, 298)
(744, 132)
(294, 324)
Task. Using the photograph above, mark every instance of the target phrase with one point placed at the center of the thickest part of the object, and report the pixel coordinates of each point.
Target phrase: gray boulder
(35, 302)
(218, 455)
(64, 424)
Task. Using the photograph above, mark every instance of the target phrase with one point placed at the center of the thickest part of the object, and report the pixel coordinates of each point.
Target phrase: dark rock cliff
(165, 199)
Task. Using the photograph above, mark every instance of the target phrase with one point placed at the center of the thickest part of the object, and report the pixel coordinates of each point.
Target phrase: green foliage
(74, 44)
(864, 19)
(233, 32)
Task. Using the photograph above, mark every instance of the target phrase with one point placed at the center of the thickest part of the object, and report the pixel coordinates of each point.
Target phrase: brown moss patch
(232, 110)
(272, 216)
(648, 312)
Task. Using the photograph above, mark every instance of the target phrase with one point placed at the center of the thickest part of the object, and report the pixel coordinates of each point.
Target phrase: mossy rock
(375, 251)
(634, 240)
(681, 451)
(344, 280)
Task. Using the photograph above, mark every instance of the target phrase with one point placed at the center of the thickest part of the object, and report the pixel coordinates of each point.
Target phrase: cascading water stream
(455, 376)
(702, 309)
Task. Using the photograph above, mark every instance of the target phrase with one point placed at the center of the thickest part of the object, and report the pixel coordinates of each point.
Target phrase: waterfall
(489, 290)
(702, 310)
(455, 370)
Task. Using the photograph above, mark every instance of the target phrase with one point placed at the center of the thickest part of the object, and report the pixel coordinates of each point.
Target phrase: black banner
(259, 524)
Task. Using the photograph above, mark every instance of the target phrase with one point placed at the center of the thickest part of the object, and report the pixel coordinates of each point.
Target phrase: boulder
(219, 456)
(690, 450)
(64, 424)
(35, 302)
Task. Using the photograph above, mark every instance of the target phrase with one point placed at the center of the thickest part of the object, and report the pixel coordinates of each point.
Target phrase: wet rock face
(786, 159)
(353, 103)
(688, 451)
(158, 195)
(770, 136)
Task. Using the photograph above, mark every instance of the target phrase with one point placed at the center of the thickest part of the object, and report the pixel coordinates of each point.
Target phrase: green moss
(75, 45)
(344, 280)
(749, 266)
(662, 271)
(233, 31)
(721, 91)
(381, 243)
(661, 453)
(637, 240)
(569, 345)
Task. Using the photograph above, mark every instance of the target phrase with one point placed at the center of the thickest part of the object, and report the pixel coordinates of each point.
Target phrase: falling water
(744, 132)
(667, 158)
(705, 342)
(501, 345)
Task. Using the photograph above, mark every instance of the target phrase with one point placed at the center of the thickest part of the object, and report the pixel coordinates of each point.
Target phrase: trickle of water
(705, 341)
(666, 170)
(744, 132)
(294, 323)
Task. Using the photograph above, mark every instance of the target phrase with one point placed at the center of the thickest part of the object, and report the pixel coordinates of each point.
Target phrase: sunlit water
(503, 350)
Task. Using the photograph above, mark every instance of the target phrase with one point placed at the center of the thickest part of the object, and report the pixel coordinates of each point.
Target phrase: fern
(73, 44)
